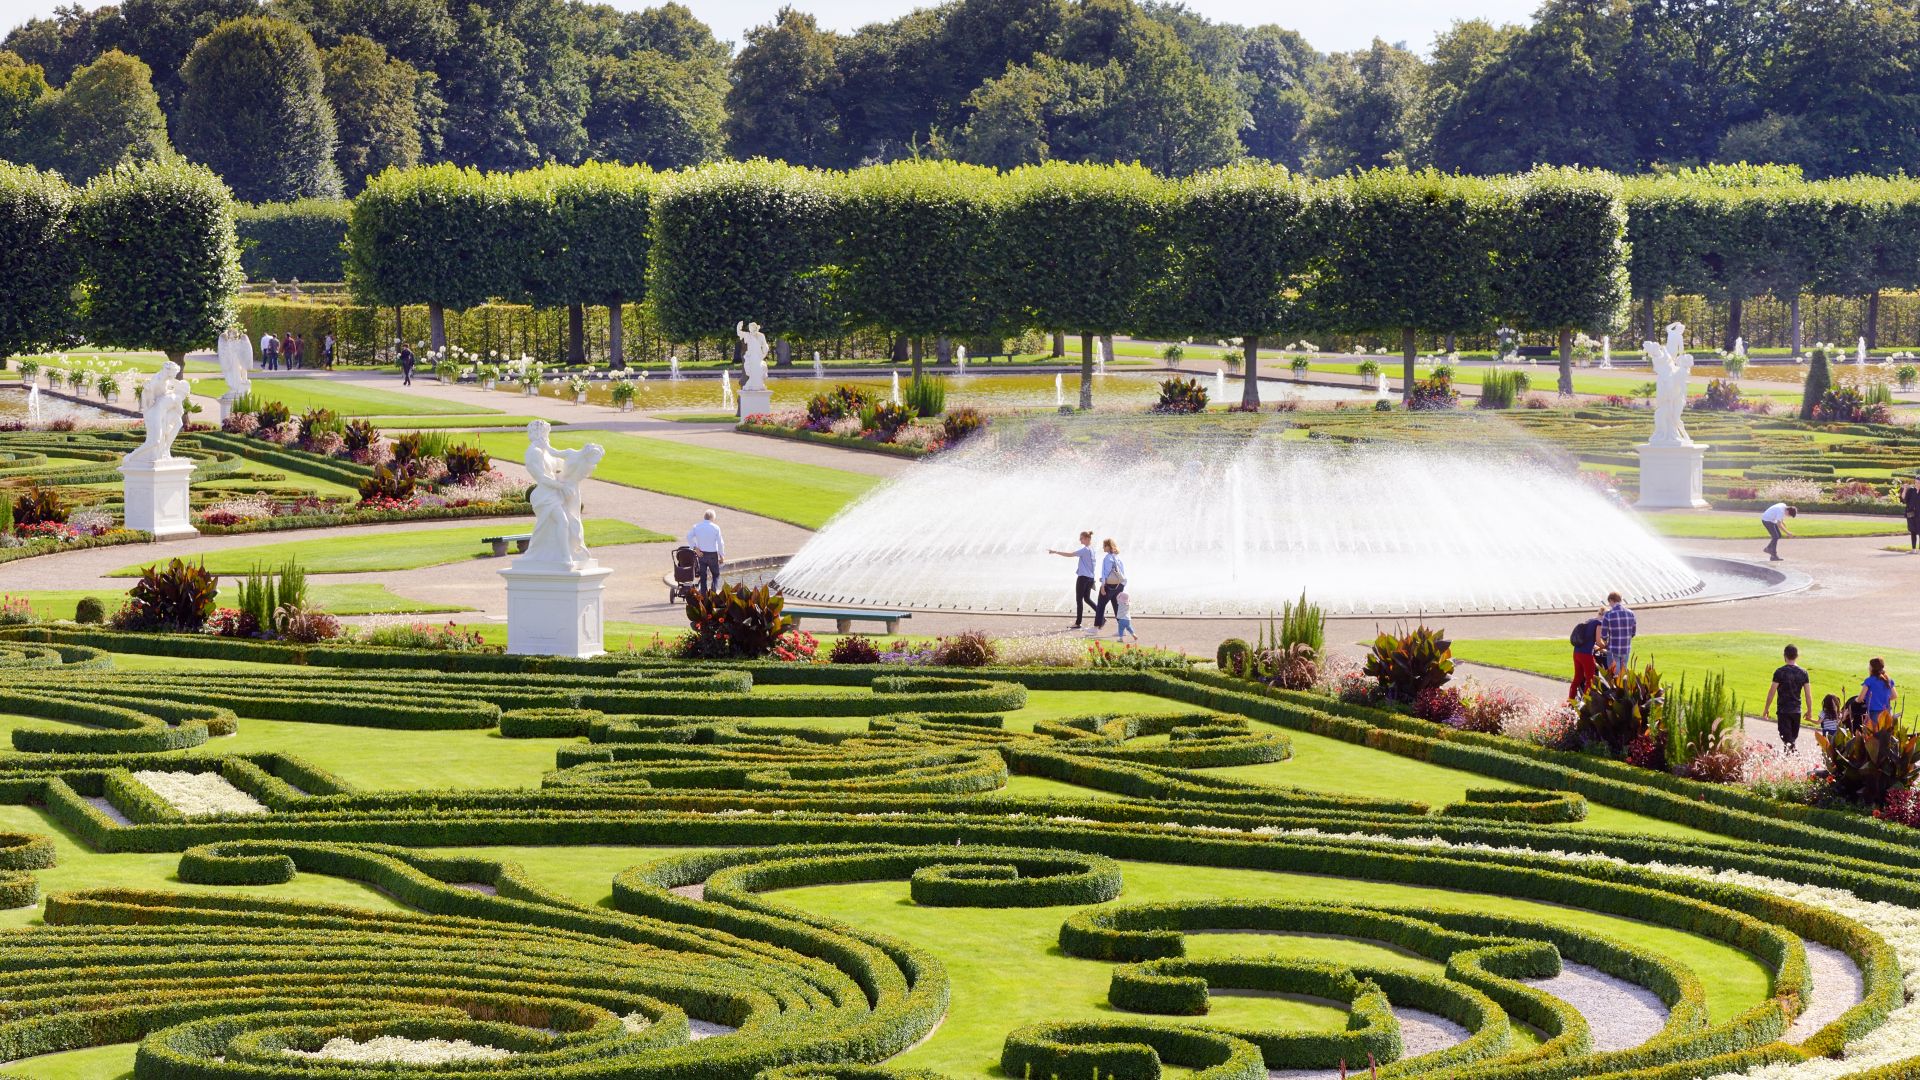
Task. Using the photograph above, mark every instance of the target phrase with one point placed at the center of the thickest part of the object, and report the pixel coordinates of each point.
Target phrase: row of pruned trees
(945, 250)
(142, 257)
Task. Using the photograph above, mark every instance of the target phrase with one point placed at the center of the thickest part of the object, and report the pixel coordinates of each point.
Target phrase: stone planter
(530, 389)
(626, 406)
(486, 384)
(580, 398)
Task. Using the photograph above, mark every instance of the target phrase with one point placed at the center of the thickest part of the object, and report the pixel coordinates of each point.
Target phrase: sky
(1330, 27)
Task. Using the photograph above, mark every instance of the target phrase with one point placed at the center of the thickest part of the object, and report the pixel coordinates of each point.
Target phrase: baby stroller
(686, 574)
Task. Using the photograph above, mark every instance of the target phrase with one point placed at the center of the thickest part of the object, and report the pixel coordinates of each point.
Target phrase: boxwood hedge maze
(799, 871)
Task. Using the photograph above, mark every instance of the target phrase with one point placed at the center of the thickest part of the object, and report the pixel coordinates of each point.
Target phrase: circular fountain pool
(1238, 526)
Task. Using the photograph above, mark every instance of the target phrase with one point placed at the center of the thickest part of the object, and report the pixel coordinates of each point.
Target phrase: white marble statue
(756, 355)
(559, 539)
(1671, 367)
(235, 351)
(163, 400)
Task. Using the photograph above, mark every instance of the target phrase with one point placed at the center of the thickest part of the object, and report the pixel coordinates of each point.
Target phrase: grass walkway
(1746, 658)
(1695, 526)
(345, 398)
(357, 598)
(800, 494)
(408, 550)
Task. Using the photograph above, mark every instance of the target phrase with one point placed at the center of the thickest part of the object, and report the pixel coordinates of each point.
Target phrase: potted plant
(29, 371)
(1369, 368)
(578, 385)
(623, 393)
(108, 384)
(1299, 364)
(1906, 375)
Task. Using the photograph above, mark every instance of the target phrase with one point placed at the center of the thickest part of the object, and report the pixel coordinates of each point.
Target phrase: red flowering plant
(796, 647)
(1902, 807)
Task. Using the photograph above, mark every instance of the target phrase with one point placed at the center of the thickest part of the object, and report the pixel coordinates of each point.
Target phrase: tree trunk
(1873, 320)
(1449, 350)
(1086, 370)
(783, 353)
(1647, 320)
(1250, 387)
(1793, 315)
(900, 349)
(616, 339)
(1059, 343)
(1734, 306)
(576, 334)
(398, 329)
(436, 327)
(919, 351)
(1566, 361)
(943, 350)
(1408, 354)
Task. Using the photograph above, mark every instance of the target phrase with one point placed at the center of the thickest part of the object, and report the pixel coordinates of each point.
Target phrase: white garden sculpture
(154, 482)
(755, 398)
(1672, 465)
(235, 351)
(555, 590)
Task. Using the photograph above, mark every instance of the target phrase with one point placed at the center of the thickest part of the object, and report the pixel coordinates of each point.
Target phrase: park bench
(518, 540)
(844, 618)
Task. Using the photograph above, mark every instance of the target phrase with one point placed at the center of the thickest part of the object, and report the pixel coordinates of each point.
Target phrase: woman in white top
(1113, 578)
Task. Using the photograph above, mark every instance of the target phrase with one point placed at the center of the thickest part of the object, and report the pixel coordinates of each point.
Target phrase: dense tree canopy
(107, 114)
(375, 101)
(37, 258)
(255, 110)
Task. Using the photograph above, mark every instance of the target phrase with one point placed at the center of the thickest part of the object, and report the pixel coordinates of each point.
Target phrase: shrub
(885, 419)
(1234, 657)
(836, 404)
(1845, 405)
(1303, 623)
(1178, 395)
(1136, 658)
(925, 395)
(735, 621)
(293, 241)
(1619, 708)
(1856, 492)
(1499, 389)
(385, 483)
(1715, 767)
(305, 626)
(1291, 667)
(90, 611)
(39, 506)
(1434, 394)
(177, 596)
(961, 423)
(360, 436)
(969, 648)
(1402, 665)
(1864, 766)
(1902, 807)
(465, 463)
(1491, 712)
(1438, 704)
(1721, 395)
(796, 647)
(317, 422)
(273, 414)
(854, 649)
(1743, 493)
(1694, 720)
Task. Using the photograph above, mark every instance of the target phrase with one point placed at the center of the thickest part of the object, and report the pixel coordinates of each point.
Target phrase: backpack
(1582, 636)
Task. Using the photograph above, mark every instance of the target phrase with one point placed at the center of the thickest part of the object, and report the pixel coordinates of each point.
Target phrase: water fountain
(959, 359)
(726, 389)
(673, 367)
(1059, 391)
(1217, 523)
(1740, 346)
(1606, 353)
(1219, 384)
(1380, 384)
(895, 398)
(818, 371)
(1860, 352)
(33, 403)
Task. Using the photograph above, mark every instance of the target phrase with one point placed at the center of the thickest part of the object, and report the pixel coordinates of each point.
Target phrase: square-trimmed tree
(1240, 242)
(1666, 243)
(1405, 251)
(917, 245)
(590, 241)
(161, 261)
(1563, 259)
(744, 241)
(438, 235)
(38, 261)
(1082, 245)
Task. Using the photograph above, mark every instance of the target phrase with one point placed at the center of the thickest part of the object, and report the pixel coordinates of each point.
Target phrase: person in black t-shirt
(1791, 694)
(1586, 645)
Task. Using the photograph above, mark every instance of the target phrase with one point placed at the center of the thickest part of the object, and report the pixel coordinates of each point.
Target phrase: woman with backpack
(1587, 648)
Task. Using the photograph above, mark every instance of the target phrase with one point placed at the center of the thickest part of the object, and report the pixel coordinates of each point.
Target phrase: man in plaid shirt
(1617, 627)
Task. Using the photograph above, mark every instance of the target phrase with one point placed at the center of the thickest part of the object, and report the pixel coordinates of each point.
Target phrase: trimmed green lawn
(357, 598)
(804, 495)
(1725, 526)
(464, 420)
(1747, 659)
(407, 550)
(303, 392)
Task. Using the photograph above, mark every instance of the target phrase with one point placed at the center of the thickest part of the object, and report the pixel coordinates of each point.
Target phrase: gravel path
(1621, 1014)
(696, 891)
(1420, 1033)
(1837, 987)
(707, 1029)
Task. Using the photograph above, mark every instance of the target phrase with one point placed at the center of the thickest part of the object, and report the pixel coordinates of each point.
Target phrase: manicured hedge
(301, 241)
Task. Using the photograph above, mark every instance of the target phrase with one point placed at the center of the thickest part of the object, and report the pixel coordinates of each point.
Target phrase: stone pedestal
(1670, 477)
(556, 612)
(226, 405)
(755, 403)
(155, 494)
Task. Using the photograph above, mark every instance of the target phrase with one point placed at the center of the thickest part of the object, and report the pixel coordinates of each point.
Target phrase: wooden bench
(844, 618)
(518, 540)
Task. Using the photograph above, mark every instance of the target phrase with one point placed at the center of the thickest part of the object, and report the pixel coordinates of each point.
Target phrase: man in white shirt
(710, 549)
(1083, 581)
(1774, 518)
(270, 351)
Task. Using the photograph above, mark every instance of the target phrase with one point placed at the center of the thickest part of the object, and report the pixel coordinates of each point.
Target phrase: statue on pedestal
(559, 539)
(756, 355)
(163, 401)
(235, 352)
(1672, 366)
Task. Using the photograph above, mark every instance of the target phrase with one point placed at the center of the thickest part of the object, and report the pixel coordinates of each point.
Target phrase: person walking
(1586, 644)
(710, 550)
(1113, 578)
(270, 351)
(1618, 625)
(406, 365)
(1775, 519)
(326, 352)
(1877, 692)
(1123, 617)
(1910, 499)
(1082, 557)
(1791, 691)
(296, 357)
